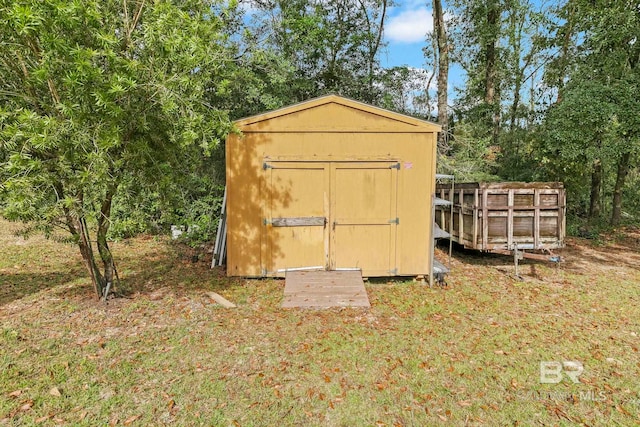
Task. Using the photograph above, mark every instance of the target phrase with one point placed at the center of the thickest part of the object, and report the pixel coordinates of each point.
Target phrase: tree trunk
(596, 186)
(516, 103)
(563, 60)
(80, 231)
(491, 70)
(443, 74)
(77, 226)
(88, 256)
(623, 170)
(515, 44)
(103, 228)
(374, 45)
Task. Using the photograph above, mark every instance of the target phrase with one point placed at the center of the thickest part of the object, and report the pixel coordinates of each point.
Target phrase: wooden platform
(323, 289)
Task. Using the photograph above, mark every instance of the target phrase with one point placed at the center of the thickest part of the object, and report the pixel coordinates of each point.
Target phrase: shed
(330, 183)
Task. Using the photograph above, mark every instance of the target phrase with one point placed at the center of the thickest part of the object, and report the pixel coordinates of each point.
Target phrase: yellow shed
(330, 183)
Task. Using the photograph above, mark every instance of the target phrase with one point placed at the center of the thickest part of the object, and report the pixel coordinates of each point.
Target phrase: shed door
(297, 215)
(364, 217)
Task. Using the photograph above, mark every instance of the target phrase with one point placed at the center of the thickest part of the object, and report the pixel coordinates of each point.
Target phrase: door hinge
(395, 166)
(267, 221)
(394, 221)
(394, 271)
(266, 166)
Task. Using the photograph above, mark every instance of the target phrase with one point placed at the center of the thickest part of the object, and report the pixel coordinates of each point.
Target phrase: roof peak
(340, 100)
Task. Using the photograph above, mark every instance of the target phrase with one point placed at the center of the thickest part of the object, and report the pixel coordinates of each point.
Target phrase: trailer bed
(502, 216)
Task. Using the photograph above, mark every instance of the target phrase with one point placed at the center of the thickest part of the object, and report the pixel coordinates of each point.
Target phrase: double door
(330, 215)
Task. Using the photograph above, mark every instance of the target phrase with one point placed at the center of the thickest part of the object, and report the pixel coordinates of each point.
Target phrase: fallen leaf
(131, 419)
(26, 405)
(55, 391)
(15, 393)
(622, 410)
(464, 403)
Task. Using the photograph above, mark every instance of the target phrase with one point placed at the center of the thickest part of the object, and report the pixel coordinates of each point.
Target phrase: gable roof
(334, 113)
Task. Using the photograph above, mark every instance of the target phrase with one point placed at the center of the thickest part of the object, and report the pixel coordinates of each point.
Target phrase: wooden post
(432, 243)
(460, 216)
(536, 218)
(510, 203)
(485, 221)
(451, 218)
(475, 218)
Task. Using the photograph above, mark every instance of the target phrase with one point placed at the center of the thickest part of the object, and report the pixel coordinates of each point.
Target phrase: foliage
(94, 92)
(554, 87)
(470, 159)
(595, 121)
(332, 45)
(187, 194)
(406, 90)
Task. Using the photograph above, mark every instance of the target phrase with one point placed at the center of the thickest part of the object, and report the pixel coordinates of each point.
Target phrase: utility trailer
(505, 217)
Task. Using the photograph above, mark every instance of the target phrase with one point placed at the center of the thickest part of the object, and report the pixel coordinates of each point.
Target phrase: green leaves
(24, 19)
(95, 91)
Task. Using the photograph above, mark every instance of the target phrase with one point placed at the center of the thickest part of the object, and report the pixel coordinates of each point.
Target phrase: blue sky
(405, 32)
(406, 27)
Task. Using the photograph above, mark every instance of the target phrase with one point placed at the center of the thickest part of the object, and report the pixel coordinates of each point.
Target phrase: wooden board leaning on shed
(498, 216)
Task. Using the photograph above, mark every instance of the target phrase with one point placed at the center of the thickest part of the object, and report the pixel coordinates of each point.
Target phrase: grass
(466, 355)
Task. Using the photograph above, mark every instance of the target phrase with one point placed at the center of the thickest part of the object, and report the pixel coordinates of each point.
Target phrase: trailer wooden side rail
(502, 216)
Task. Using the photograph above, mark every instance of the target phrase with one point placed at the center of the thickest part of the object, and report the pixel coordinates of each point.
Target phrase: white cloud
(409, 25)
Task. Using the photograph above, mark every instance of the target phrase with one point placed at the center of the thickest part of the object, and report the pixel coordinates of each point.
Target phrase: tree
(597, 105)
(94, 91)
(442, 52)
(333, 45)
(576, 137)
(524, 62)
(478, 29)
(406, 90)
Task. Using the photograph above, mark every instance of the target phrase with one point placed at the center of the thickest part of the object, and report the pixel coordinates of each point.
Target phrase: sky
(406, 27)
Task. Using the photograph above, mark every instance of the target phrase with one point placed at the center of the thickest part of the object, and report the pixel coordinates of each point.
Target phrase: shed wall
(248, 190)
